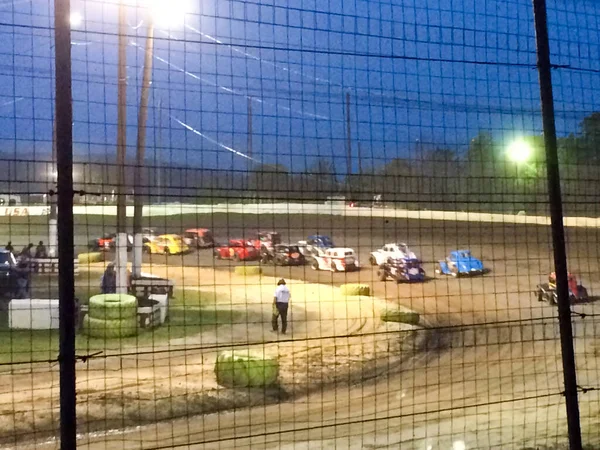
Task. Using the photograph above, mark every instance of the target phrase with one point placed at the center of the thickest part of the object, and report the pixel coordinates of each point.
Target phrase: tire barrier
(92, 257)
(113, 306)
(109, 329)
(111, 316)
(396, 315)
(245, 368)
(355, 289)
(247, 270)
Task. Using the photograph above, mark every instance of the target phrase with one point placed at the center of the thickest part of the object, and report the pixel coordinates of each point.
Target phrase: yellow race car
(168, 244)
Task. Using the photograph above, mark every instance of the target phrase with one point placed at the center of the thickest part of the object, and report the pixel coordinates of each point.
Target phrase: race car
(148, 234)
(546, 292)
(336, 259)
(238, 250)
(401, 270)
(283, 255)
(460, 262)
(169, 244)
(315, 243)
(108, 241)
(266, 240)
(393, 250)
(199, 238)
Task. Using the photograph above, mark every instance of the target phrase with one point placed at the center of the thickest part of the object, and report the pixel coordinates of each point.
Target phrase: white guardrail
(173, 209)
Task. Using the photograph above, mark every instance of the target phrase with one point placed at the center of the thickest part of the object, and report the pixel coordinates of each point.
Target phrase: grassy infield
(189, 311)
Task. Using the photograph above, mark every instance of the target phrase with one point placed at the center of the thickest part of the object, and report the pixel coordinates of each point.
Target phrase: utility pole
(158, 150)
(51, 199)
(121, 245)
(544, 67)
(360, 166)
(249, 145)
(63, 117)
(141, 152)
(348, 146)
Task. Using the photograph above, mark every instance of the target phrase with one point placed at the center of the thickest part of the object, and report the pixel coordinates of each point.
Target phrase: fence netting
(343, 238)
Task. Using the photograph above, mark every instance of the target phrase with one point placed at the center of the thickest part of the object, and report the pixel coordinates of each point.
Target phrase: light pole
(159, 11)
(121, 244)
(141, 151)
(75, 20)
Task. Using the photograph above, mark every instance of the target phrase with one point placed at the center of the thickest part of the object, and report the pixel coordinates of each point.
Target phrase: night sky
(408, 66)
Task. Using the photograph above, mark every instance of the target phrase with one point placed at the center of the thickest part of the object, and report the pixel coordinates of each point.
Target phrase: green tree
(270, 181)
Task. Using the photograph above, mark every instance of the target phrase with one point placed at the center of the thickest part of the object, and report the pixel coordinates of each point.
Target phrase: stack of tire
(111, 316)
(246, 368)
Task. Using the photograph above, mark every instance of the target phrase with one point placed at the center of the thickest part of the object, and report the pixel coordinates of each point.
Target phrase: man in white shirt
(281, 301)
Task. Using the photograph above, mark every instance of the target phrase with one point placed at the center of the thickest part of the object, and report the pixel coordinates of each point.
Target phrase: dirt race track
(490, 376)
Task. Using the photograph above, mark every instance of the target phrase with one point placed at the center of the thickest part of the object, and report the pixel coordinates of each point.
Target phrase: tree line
(481, 178)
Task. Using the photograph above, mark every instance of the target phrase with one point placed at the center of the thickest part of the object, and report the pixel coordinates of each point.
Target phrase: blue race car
(320, 241)
(315, 245)
(401, 270)
(460, 262)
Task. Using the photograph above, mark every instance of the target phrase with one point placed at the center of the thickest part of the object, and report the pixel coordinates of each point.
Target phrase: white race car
(393, 250)
(336, 259)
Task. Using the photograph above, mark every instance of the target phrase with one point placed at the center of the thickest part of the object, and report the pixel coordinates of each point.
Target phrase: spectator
(26, 252)
(22, 280)
(108, 284)
(9, 247)
(281, 301)
(40, 251)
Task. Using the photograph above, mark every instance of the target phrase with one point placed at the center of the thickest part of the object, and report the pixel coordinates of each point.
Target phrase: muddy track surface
(489, 373)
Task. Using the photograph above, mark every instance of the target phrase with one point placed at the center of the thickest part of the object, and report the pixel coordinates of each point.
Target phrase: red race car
(238, 250)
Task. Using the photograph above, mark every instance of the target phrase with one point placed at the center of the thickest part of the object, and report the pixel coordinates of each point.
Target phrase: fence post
(556, 214)
(66, 280)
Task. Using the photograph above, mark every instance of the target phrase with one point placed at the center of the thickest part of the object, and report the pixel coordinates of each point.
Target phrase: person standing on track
(281, 301)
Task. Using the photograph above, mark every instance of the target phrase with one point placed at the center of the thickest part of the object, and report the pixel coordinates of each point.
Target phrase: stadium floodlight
(519, 151)
(75, 19)
(165, 14)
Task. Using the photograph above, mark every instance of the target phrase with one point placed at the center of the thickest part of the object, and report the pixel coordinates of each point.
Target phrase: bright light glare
(519, 151)
(168, 13)
(458, 445)
(75, 19)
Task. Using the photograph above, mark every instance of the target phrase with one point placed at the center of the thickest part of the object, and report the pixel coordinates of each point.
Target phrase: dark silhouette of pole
(558, 232)
(348, 137)
(51, 199)
(360, 166)
(66, 281)
(158, 160)
(348, 145)
(250, 131)
(121, 256)
(141, 151)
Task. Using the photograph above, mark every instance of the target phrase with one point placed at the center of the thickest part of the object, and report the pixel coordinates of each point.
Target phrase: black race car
(283, 255)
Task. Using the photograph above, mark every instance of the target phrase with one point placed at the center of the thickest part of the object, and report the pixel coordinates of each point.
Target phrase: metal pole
(348, 145)
(159, 149)
(121, 244)
(556, 214)
(249, 149)
(51, 199)
(141, 152)
(66, 279)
